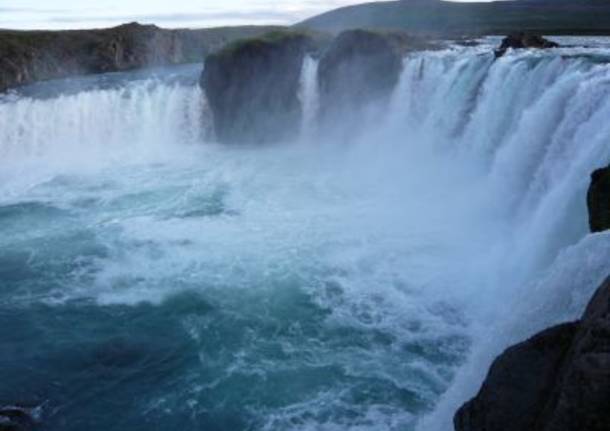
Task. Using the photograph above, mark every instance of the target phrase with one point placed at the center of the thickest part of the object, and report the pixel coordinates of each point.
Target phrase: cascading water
(150, 275)
(136, 116)
(309, 98)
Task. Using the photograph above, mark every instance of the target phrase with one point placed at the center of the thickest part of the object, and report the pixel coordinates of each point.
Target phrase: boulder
(361, 67)
(17, 418)
(252, 87)
(524, 40)
(598, 200)
(559, 380)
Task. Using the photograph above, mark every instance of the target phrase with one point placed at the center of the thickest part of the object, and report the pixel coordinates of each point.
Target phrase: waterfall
(532, 124)
(359, 286)
(129, 119)
(309, 97)
(531, 129)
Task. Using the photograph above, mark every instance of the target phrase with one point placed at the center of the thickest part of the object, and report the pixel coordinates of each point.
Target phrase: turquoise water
(151, 278)
(156, 297)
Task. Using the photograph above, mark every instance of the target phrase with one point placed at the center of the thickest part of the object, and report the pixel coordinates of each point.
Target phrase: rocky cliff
(558, 380)
(252, 85)
(30, 56)
(360, 68)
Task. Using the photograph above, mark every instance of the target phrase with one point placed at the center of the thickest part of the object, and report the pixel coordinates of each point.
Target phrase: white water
(309, 97)
(530, 127)
(124, 122)
(457, 224)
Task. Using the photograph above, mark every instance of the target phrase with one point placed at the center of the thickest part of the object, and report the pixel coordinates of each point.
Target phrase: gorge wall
(30, 56)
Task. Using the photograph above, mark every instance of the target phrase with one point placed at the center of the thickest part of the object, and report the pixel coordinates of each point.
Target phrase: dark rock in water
(17, 418)
(30, 56)
(559, 380)
(360, 67)
(524, 40)
(515, 390)
(252, 87)
(598, 200)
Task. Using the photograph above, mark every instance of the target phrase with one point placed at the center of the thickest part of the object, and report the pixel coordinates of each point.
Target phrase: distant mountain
(437, 17)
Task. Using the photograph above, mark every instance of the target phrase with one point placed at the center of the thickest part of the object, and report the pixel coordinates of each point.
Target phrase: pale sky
(62, 14)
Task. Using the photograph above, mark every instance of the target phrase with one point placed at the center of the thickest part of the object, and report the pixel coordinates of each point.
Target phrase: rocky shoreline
(31, 56)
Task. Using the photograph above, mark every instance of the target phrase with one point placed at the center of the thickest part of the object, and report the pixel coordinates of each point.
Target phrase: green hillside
(452, 18)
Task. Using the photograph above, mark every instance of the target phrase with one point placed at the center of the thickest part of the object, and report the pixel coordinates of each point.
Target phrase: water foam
(398, 266)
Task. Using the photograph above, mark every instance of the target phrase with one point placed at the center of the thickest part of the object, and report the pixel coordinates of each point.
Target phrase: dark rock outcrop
(361, 67)
(252, 87)
(30, 56)
(559, 380)
(522, 41)
(598, 200)
(17, 418)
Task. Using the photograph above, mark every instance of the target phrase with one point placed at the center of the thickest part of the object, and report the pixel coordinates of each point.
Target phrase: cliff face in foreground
(558, 380)
(30, 56)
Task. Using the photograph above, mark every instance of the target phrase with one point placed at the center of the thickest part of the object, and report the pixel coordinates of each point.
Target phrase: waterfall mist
(362, 278)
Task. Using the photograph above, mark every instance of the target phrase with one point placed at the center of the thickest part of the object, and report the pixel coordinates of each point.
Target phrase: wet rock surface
(252, 87)
(523, 41)
(18, 418)
(598, 200)
(559, 380)
(362, 67)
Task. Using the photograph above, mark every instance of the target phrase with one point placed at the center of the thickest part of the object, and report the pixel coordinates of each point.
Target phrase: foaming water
(107, 118)
(309, 97)
(295, 287)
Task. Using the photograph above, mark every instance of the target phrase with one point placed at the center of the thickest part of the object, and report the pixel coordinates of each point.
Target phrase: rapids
(151, 278)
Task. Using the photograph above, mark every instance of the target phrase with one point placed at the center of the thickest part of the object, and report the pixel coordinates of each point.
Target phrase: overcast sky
(57, 14)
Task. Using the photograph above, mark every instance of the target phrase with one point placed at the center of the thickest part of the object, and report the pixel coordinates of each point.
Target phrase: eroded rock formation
(17, 418)
(559, 380)
(359, 66)
(362, 67)
(252, 87)
(30, 56)
(524, 40)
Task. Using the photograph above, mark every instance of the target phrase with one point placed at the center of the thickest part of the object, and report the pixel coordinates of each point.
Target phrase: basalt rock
(524, 40)
(252, 87)
(17, 418)
(598, 200)
(30, 56)
(361, 67)
(559, 380)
